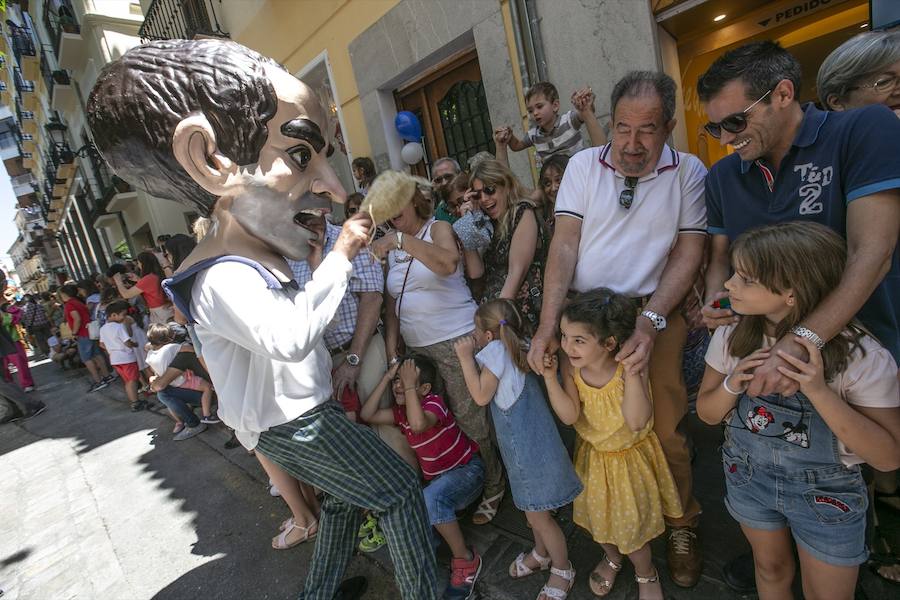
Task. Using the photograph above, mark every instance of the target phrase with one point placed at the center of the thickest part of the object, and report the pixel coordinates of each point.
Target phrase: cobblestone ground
(99, 503)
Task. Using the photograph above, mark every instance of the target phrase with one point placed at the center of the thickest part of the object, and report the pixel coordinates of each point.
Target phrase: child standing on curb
(628, 485)
(540, 473)
(453, 471)
(116, 341)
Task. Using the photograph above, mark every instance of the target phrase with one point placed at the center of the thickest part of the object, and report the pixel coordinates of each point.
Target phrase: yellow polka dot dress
(628, 487)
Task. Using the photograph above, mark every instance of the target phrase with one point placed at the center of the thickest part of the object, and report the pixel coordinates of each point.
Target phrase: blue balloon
(408, 126)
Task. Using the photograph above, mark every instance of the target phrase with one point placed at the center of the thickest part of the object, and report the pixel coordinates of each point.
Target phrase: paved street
(99, 503)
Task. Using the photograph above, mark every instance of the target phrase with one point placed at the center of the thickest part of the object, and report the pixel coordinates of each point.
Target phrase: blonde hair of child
(504, 321)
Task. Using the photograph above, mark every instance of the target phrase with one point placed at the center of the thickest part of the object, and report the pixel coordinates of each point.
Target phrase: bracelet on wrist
(729, 390)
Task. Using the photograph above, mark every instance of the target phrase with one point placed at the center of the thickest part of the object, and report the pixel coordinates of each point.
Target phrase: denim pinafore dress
(540, 472)
(783, 469)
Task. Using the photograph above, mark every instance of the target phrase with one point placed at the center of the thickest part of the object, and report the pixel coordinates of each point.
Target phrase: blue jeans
(453, 491)
(177, 400)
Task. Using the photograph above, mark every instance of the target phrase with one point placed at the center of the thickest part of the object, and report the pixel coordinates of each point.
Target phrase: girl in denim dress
(791, 462)
(540, 472)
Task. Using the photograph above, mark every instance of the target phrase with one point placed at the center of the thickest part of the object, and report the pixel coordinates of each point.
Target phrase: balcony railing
(59, 18)
(180, 19)
(22, 42)
(21, 84)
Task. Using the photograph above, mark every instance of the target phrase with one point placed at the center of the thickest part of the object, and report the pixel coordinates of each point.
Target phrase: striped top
(565, 138)
(441, 448)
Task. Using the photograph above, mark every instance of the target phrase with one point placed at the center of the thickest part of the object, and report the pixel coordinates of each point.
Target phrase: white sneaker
(189, 432)
(274, 491)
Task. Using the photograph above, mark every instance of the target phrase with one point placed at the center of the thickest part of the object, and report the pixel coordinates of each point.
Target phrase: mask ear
(195, 148)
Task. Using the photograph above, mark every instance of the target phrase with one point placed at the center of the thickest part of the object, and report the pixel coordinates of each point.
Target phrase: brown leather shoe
(684, 556)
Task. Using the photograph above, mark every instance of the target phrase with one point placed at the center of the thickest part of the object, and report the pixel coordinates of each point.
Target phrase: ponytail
(502, 318)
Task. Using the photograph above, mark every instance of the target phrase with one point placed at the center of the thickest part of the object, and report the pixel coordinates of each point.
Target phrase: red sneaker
(463, 574)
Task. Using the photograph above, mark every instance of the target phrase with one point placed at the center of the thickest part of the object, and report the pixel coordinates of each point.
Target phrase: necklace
(402, 256)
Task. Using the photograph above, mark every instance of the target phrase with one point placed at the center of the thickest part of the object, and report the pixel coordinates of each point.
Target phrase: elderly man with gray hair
(631, 216)
(443, 171)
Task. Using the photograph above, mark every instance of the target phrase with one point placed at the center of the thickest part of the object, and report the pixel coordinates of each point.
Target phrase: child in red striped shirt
(451, 466)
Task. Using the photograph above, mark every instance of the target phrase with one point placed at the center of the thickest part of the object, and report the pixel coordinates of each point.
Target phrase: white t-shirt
(497, 360)
(160, 359)
(263, 346)
(869, 380)
(113, 336)
(434, 308)
(627, 249)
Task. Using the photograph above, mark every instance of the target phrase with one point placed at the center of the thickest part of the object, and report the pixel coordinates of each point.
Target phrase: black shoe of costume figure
(739, 574)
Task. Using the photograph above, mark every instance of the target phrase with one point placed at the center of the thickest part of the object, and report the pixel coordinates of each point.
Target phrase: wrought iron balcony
(22, 42)
(21, 84)
(61, 154)
(180, 19)
(59, 18)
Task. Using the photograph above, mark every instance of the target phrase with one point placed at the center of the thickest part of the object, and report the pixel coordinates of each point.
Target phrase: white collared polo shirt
(626, 249)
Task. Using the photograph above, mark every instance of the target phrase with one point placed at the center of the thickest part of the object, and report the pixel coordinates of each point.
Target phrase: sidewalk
(108, 506)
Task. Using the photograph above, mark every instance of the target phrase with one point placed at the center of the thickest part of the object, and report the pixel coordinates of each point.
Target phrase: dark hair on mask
(141, 97)
(119, 306)
(760, 65)
(605, 312)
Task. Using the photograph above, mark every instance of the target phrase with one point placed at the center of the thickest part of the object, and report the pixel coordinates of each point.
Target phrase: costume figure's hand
(354, 235)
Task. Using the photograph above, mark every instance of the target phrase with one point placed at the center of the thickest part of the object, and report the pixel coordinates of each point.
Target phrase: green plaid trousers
(355, 469)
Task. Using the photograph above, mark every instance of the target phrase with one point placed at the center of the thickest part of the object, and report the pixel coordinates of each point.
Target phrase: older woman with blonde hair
(513, 263)
(430, 306)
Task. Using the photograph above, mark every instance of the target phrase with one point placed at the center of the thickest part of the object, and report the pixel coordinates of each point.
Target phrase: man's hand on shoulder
(354, 235)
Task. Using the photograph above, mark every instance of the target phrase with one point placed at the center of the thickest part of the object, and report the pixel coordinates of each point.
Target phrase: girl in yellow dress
(628, 488)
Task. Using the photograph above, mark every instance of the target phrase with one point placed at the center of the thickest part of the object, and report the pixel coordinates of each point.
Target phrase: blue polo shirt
(836, 158)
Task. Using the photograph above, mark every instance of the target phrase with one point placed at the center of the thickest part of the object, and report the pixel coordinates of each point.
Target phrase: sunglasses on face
(488, 190)
(626, 198)
(735, 123)
(442, 178)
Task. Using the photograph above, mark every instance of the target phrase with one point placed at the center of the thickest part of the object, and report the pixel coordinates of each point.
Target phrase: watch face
(353, 359)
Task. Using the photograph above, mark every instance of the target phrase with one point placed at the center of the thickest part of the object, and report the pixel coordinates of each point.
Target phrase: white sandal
(281, 543)
(519, 569)
(604, 585)
(645, 580)
(487, 509)
(554, 593)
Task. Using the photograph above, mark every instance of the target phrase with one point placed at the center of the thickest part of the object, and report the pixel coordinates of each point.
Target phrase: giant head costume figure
(219, 127)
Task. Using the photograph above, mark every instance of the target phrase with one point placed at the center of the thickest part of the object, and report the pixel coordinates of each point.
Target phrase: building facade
(460, 65)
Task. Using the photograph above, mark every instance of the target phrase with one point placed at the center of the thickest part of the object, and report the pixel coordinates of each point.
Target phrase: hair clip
(503, 321)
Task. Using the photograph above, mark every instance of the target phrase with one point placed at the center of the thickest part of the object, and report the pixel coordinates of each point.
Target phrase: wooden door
(451, 105)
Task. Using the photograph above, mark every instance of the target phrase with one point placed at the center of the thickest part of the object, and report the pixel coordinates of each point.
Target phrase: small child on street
(552, 133)
(628, 487)
(541, 476)
(116, 341)
(162, 352)
(453, 470)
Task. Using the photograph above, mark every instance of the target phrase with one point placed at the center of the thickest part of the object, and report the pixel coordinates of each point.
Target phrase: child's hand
(464, 346)
(743, 371)
(409, 374)
(810, 375)
(551, 365)
(392, 370)
(583, 100)
(502, 135)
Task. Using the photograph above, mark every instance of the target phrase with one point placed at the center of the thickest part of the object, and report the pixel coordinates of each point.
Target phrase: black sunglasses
(626, 198)
(442, 178)
(489, 190)
(735, 123)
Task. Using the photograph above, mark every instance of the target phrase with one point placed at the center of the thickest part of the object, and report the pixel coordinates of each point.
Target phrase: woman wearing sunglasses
(514, 262)
(865, 70)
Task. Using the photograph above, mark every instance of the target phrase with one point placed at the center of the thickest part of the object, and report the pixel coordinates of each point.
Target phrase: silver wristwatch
(353, 360)
(659, 321)
(808, 334)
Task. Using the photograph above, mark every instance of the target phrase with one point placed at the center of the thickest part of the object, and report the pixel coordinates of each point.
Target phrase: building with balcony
(55, 49)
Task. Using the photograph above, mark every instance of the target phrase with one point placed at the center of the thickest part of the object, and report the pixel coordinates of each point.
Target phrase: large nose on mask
(327, 184)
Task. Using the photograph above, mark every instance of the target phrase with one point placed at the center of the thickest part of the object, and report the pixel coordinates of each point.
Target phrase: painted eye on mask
(301, 155)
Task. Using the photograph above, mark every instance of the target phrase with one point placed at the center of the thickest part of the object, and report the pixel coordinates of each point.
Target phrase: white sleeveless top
(433, 308)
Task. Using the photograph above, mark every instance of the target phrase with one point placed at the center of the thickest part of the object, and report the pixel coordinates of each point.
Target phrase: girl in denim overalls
(538, 467)
(792, 462)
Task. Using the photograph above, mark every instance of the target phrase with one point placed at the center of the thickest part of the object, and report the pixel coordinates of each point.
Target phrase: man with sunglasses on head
(631, 216)
(443, 172)
(794, 162)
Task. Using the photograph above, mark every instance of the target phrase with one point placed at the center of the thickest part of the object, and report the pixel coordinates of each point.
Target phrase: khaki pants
(374, 366)
(670, 404)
